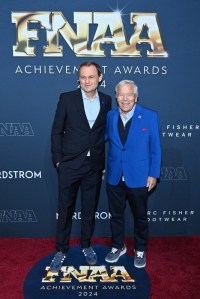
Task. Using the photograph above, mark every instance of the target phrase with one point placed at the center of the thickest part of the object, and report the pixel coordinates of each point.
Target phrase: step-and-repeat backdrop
(42, 43)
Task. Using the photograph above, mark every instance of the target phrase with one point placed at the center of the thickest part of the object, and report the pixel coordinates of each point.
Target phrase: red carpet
(173, 264)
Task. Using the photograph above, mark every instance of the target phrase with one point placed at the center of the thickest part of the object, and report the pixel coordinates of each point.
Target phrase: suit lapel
(102, 109)
(115, 126)
(80, 107)
(134, 124)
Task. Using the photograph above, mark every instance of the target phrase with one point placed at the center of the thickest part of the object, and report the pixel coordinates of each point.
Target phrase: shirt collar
(96, 96)
(128, 114)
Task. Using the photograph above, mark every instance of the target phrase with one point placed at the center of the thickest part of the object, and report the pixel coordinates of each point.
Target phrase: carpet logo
(77, 279)
(16, 129)
(89, 274)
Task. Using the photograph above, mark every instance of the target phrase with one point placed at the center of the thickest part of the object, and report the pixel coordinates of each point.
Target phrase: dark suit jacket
(72, 137)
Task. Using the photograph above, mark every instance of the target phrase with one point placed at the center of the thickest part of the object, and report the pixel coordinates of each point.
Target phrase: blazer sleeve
(155, 148)
(58, 131)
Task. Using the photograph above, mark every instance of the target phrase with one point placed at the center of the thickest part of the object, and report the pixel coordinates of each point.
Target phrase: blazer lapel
(115, 127)
(134, 124)
(80, 107)
(101, 111)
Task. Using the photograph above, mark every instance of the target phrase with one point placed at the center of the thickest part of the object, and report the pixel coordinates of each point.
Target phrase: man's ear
(100, 78)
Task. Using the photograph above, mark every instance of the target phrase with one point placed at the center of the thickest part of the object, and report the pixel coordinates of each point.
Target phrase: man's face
(89, 79)
(126, 98)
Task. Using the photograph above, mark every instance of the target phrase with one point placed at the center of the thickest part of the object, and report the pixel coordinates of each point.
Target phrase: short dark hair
(89, 63)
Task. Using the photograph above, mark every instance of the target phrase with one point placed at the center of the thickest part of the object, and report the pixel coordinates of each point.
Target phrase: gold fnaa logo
(89, 274)
(55, 24)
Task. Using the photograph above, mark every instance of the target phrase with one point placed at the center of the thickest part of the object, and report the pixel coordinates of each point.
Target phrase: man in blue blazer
(78, 153)
(133, 166)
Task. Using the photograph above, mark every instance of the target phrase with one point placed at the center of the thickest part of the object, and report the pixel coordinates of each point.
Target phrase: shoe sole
(55, 270)
(91, 264)
(114, 261)
(139, 267)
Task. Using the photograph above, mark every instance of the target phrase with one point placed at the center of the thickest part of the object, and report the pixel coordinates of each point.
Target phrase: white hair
(135, 88)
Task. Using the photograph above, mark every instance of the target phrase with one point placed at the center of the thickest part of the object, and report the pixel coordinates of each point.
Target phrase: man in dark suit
(134, 160)
(78, 152)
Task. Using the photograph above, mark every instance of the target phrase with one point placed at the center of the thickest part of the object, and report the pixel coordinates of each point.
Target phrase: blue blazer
(140, 157)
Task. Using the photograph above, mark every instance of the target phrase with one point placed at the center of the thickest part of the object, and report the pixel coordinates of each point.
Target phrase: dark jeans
(137, 198)
(70, 180)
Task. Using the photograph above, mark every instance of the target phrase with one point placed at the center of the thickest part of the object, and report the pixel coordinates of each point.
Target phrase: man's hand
(151, 182)
(57, 164)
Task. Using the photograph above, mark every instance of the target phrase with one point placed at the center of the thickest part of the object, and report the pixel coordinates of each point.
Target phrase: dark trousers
(70, 180)
(137, 198)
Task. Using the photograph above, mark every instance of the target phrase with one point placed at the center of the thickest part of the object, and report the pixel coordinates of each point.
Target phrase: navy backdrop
(162, 38)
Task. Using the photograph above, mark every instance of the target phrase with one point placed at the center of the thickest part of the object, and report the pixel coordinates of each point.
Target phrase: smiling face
(89, 80)
(126, 98)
